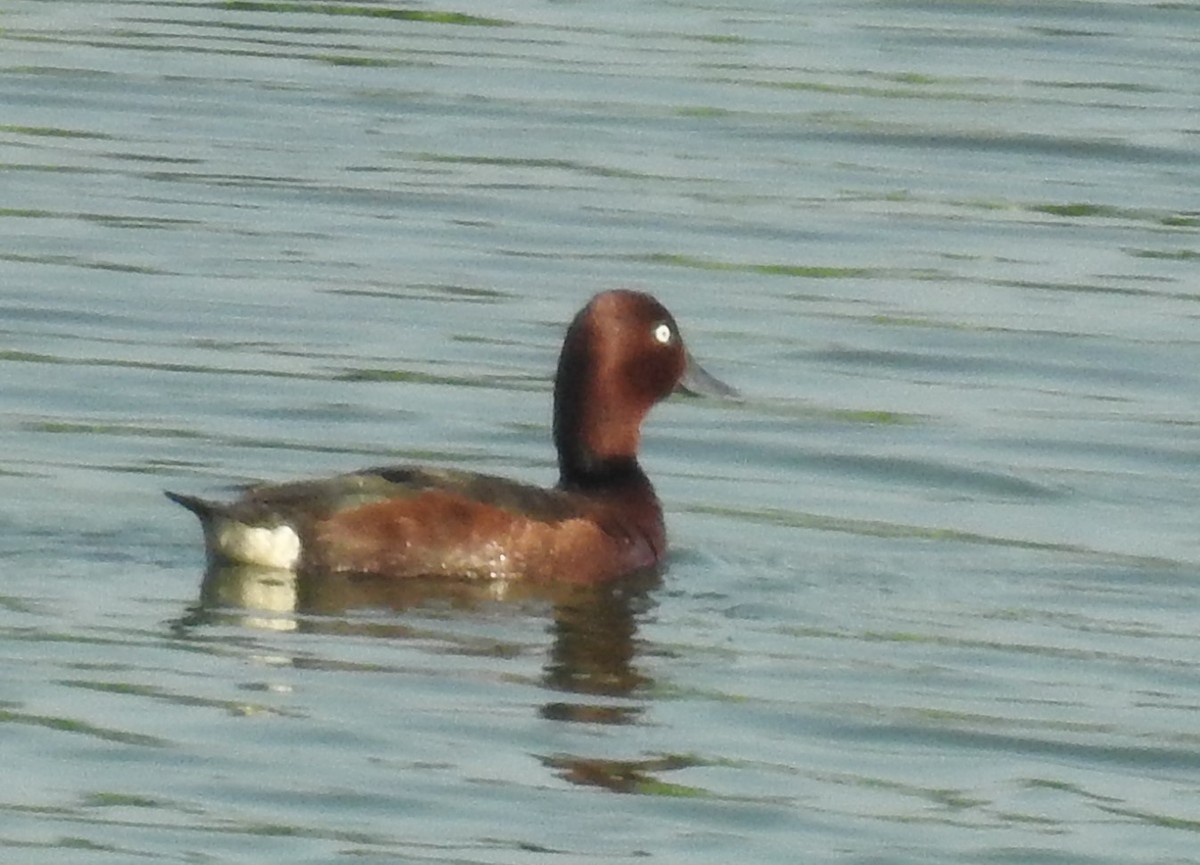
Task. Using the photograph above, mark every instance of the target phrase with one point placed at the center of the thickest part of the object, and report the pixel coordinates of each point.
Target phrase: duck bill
(699, 382)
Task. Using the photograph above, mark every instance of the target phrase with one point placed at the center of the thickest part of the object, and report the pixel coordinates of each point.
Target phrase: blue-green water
(934, 589)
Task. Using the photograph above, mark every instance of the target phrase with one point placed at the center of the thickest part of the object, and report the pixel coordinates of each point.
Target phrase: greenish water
(933, 589)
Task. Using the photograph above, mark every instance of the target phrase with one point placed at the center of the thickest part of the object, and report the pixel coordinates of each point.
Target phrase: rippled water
(934, 583)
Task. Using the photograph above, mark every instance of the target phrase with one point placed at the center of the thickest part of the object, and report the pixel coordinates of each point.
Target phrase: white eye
(663, 334)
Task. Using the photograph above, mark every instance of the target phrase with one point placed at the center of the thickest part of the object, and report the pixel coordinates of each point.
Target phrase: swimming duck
(622, 354)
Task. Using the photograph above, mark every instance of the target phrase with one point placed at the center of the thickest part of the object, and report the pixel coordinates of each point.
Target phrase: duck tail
(202, 508)
(228, 538)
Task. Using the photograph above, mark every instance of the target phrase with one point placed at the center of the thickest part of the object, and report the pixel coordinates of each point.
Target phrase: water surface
(933, 584)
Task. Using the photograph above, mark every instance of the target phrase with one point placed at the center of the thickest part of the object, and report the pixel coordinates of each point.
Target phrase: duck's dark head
(622, 354)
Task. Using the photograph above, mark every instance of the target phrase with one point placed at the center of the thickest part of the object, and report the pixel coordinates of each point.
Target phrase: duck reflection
(593, 653)
(591, 662)
(626, 776)
(594, 627)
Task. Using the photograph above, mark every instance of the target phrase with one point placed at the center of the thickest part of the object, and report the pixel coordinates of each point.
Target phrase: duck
(622, 354)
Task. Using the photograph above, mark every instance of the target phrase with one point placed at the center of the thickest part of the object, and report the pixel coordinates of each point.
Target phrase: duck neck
(596, 433)
(586, 458)
(576, 474)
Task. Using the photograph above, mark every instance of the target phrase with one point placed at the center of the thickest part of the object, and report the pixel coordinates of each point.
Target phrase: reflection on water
(594, 628)
(625, 776)
(593, 651)
(268, 596)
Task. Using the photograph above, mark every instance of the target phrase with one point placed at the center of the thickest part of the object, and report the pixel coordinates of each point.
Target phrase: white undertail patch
(275, 547)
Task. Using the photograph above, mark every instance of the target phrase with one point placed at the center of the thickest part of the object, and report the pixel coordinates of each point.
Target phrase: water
(933, 589)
